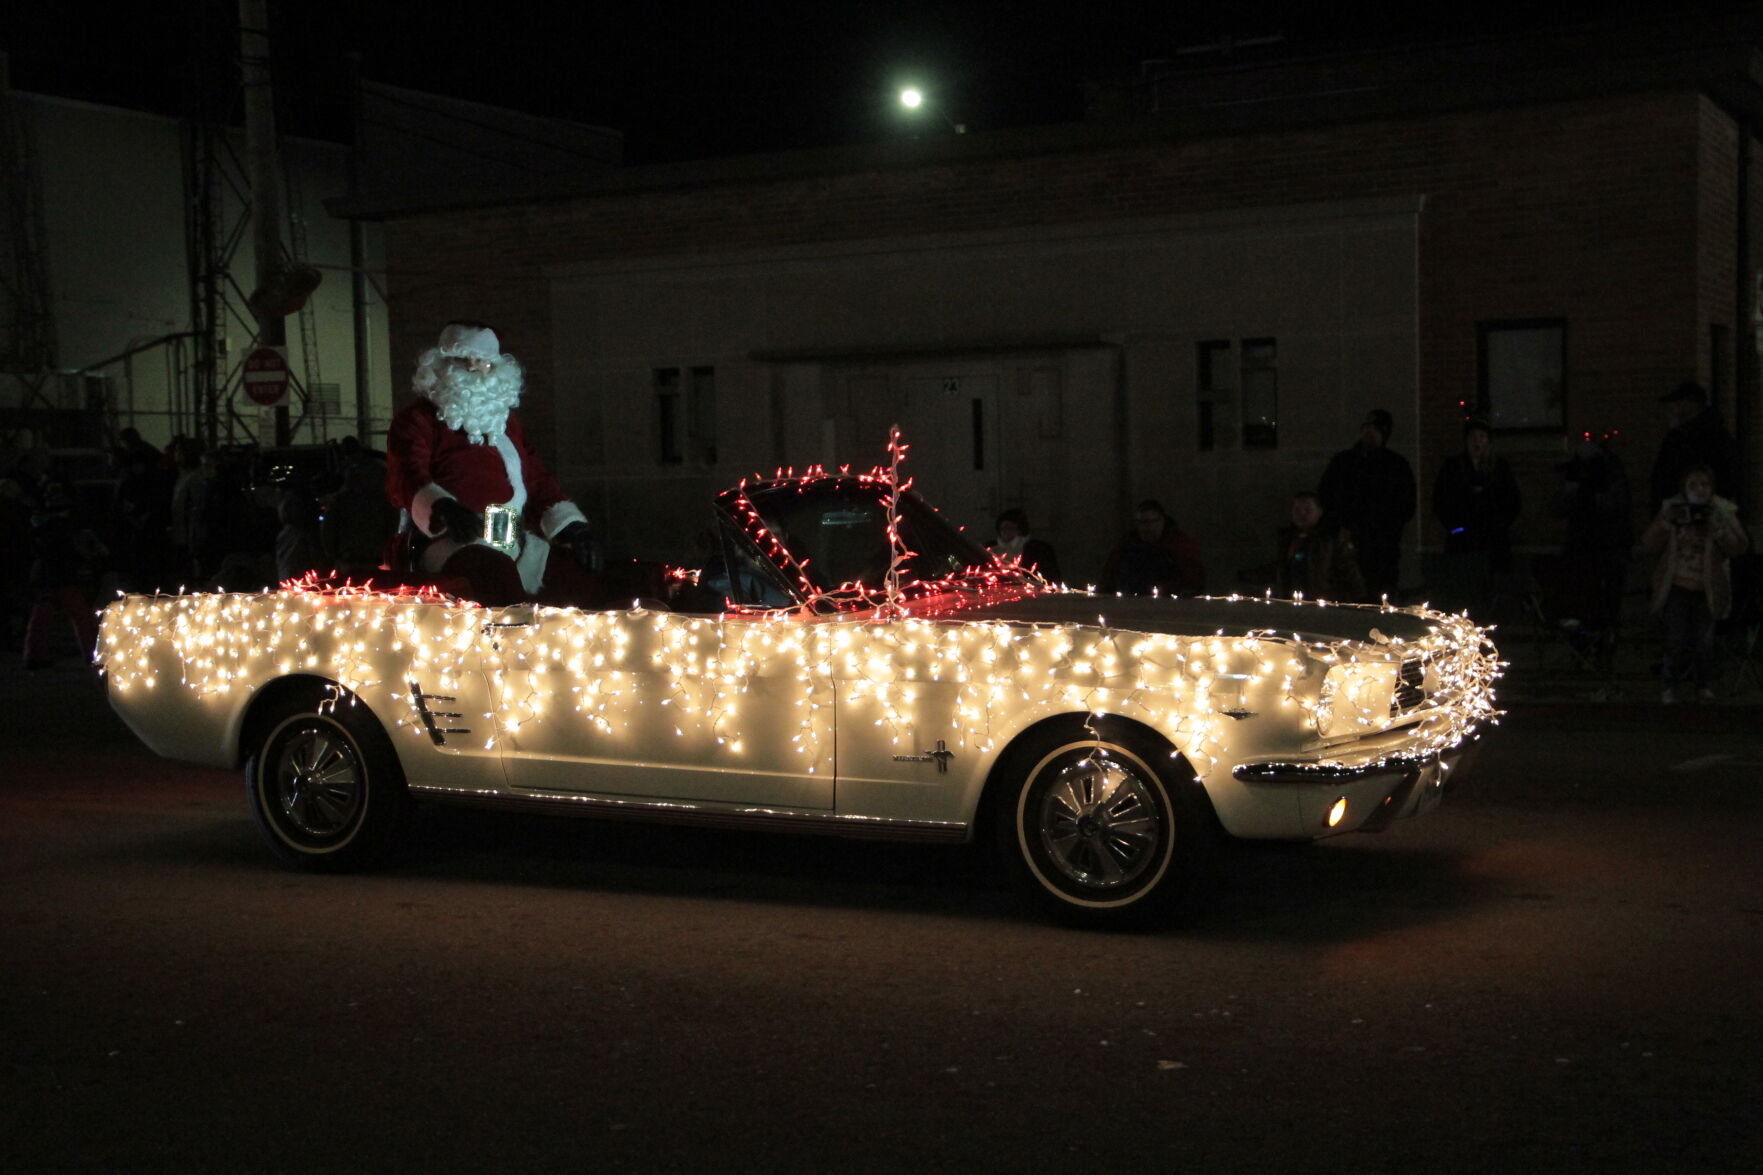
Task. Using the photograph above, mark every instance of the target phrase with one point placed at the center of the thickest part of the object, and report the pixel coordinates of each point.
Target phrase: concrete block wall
(1589, 210)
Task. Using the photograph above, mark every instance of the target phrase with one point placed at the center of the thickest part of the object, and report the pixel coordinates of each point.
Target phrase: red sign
(266, 376)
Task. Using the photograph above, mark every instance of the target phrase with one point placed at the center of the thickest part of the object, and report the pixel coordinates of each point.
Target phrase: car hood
(1182, 616)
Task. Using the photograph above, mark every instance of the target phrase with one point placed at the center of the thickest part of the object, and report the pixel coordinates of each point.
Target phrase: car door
(906, 752)
(655, 705)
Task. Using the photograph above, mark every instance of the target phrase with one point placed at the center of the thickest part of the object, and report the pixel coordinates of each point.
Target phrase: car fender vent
(432, 719)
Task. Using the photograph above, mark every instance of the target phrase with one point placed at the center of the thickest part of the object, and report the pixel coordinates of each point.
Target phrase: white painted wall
(114, 208)
(1109, 313)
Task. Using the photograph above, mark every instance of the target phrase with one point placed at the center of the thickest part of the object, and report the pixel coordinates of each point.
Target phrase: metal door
(949, 417)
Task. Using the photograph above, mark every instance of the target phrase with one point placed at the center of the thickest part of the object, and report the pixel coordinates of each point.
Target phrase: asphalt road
(1558, 971)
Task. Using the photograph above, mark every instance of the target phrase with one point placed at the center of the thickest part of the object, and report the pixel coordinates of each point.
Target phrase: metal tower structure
(228, 188)
(28, 385)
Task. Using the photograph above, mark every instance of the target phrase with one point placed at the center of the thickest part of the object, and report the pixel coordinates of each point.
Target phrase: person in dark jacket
(1156, 557)
(299, 549)
(357, 519)
(1595, 503)
(1695, 435)
(140, 514)
(63, 555)
(1369, 489)
(1476, 500)
(1016, 545)
(1316, 557)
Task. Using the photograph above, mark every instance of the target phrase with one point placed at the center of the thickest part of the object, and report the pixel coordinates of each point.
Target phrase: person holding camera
(1697, 533)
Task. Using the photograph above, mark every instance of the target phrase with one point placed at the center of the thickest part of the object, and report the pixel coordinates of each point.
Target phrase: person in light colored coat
(1696, 534)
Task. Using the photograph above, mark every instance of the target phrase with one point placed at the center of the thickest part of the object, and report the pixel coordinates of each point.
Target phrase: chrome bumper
(1381, 789)
(1305, 772)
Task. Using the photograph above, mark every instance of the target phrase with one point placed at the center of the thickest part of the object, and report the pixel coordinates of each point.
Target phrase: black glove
(449, 516)
(578, 539)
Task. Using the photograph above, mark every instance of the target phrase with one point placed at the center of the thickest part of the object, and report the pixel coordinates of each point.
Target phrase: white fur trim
(435, 555)
(469, 339)
(511, 462)
(560, 515)
(531, 564)
(422, 507)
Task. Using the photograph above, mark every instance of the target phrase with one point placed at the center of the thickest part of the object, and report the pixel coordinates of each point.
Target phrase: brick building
(1193, 295)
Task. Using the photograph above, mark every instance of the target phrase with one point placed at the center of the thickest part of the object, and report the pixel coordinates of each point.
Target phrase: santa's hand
(449, 516)
(578, 539)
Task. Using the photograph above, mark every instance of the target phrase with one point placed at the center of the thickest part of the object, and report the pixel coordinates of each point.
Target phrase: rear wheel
(323, 783)
(1100, 823)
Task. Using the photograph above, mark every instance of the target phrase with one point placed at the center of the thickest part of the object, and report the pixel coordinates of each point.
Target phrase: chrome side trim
(682, 812)
(1319, 772)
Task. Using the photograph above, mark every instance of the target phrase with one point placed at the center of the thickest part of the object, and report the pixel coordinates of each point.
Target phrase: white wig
(474, 402)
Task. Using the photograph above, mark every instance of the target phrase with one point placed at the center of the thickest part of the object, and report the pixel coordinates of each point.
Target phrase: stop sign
(266, 376)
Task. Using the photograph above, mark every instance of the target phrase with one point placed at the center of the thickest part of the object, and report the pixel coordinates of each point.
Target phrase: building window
(1215, 387)
(327, 400)
(1260, 394)
(1237, 397)
(669, 420)
(1720, 361)
(1522, 385)
(685, 415)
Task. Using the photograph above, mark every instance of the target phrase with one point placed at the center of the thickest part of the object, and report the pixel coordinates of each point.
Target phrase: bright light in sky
(912, 97)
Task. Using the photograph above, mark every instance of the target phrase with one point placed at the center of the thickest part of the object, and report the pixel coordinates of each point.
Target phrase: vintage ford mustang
(844, 662)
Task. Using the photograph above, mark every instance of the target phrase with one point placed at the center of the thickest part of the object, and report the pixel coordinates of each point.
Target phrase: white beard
(476, 404)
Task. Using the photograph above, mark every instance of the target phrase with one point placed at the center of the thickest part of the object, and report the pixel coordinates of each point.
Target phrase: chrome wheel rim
(1099, 824)
(317, 782)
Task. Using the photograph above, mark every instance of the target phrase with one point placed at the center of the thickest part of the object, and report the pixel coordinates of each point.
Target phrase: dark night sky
(687, 80)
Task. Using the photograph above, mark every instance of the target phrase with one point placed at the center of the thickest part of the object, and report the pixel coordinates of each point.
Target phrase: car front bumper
(1364, 790)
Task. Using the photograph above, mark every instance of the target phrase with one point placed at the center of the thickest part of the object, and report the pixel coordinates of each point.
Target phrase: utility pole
(358, 266)
(264, 170)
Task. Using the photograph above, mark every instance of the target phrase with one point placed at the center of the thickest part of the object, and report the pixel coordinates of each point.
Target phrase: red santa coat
(426, 461)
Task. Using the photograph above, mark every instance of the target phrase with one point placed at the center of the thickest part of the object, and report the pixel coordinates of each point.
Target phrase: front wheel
(323, 783)
(1100, 825)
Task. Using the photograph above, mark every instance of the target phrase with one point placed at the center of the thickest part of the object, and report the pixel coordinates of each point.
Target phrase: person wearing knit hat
(1379, 419)
(1695, 435)
(1369, 489)
(459, 462)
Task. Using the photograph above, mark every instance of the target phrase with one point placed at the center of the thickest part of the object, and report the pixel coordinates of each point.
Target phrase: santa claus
(458, 460)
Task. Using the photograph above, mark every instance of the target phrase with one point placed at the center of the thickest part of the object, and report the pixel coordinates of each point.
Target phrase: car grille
(1410, 686)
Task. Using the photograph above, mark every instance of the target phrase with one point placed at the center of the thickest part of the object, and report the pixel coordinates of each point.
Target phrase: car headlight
(1356, 695)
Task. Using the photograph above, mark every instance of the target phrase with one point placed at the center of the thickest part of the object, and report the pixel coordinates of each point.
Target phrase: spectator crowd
(1345, 536)
(223, 519)
(175, 519)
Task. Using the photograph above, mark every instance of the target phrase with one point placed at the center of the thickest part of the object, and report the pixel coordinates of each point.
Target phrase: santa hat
(469, 340)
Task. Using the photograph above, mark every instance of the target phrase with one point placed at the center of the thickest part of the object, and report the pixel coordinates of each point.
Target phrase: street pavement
(1556, 971)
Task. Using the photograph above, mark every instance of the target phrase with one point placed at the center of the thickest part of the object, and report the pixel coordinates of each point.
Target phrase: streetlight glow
(912, 97)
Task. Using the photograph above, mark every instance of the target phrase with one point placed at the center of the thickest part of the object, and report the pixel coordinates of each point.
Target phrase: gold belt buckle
(502, 529)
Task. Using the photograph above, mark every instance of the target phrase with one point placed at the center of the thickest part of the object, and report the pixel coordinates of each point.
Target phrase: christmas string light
(600, 674)
(881, 652)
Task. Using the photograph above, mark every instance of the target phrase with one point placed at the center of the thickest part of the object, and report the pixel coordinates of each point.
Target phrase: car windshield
(838, 532)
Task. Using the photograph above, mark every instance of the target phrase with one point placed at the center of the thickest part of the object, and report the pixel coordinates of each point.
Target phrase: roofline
(1716, 55)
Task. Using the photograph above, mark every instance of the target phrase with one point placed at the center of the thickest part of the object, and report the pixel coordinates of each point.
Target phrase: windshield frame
(950, 558)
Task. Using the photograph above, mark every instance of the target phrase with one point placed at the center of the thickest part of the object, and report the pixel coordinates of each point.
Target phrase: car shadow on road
(615, 856)
(1301, 893)
(1334, 890)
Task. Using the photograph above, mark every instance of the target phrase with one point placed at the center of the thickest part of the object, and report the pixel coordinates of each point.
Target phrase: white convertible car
(846, 663)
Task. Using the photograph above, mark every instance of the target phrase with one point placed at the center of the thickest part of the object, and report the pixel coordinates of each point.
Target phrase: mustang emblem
(940, 757)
